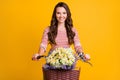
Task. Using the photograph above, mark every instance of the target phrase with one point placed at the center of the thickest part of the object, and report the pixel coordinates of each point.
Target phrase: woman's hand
(36, 57)
(87, 57)
(84, 57)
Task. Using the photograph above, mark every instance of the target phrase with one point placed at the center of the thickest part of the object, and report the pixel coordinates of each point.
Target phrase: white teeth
(61, 18)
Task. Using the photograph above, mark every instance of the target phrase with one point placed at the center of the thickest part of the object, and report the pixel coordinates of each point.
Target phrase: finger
(34, 58)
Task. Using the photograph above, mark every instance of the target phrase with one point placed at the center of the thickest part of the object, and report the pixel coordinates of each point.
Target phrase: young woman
(61, 32)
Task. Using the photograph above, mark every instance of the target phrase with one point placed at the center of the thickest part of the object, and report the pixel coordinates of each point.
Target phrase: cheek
(57, 15)
(65, 16)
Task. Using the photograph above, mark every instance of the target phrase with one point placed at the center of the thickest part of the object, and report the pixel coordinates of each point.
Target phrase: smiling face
(61, 14)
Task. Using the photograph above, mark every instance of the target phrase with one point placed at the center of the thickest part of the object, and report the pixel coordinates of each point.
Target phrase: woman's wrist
(40, 54)
(80, 53)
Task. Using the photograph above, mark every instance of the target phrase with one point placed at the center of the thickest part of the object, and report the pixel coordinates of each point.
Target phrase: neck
(61, 24)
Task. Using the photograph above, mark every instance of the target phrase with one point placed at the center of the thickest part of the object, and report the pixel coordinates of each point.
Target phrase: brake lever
(82, 57)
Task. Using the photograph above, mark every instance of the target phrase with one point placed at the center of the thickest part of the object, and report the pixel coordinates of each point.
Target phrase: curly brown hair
(54, 25)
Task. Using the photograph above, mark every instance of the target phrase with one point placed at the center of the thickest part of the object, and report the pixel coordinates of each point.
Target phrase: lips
(61, 19)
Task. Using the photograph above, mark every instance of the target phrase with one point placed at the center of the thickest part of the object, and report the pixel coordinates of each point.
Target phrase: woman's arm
(43, 45)
(78, 48)
(41, 51)
(77, 44)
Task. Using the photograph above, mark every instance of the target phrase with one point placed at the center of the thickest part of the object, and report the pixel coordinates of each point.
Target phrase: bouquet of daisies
(61, 58)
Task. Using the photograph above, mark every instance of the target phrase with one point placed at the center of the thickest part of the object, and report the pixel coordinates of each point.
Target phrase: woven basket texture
(61, 74)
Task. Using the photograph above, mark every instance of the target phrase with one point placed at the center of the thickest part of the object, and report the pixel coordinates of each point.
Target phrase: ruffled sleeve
(77, 44)
(44, 41)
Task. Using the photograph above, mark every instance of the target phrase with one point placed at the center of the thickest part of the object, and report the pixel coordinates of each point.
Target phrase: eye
(57, 12)
(64, 13)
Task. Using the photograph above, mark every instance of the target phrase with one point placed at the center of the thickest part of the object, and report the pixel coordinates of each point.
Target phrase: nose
(61, 15)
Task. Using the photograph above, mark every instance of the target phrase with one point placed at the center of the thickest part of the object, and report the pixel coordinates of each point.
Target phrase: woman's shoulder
(74, 29)
(46, 29)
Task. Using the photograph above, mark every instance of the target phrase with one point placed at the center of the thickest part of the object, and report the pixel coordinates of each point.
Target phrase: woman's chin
(61, 21)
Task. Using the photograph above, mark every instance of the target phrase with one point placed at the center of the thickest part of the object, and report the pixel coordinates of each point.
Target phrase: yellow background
(22, 23)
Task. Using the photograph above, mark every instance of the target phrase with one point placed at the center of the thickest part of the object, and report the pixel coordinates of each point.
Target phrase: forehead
(60, 9)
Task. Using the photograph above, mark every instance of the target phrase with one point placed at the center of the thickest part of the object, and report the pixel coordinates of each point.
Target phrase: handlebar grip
(82, 56)
(38, 57)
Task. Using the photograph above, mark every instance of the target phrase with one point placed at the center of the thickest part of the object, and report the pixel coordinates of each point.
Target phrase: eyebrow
(59, 12)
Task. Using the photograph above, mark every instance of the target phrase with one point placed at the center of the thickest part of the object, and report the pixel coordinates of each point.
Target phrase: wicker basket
(61, 74)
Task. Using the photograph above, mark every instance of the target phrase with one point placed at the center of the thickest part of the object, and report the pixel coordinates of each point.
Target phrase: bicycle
(61, 74)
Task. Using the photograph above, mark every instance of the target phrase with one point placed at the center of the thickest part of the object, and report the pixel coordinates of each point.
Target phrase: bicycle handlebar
(80, 57)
